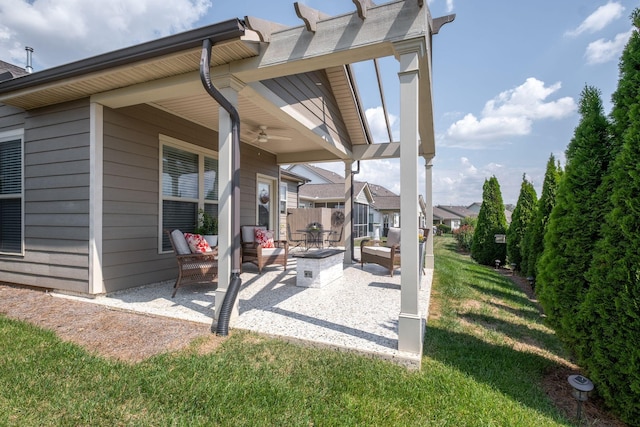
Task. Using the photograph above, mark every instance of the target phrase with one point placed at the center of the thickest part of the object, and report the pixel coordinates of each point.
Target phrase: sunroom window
(189, 179)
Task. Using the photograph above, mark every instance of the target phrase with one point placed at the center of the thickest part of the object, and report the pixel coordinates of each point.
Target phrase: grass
(486, 351)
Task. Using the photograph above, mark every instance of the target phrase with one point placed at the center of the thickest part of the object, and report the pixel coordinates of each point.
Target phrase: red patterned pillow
(264, 238)
(197, 244)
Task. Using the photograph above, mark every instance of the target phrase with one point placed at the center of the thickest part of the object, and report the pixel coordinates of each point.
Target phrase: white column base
(411, 333)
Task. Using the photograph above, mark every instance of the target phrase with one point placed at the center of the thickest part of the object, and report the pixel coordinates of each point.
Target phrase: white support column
(428, 191)
(348, 203)
(96, 161)
(229, 88)
(410, 323)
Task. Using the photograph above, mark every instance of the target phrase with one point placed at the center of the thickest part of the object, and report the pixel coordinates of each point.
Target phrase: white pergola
(402, 29)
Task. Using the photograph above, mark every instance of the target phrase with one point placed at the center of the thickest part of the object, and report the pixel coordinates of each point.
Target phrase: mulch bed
(555, 382)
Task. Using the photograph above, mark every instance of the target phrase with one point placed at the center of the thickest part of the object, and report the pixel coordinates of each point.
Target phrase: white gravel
(358, 312)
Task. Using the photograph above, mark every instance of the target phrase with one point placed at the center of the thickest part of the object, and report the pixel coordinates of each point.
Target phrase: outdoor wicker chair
(192, 267)
(253, 252)
(386, 254)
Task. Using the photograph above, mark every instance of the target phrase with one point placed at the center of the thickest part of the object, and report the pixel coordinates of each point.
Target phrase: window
(11, 177)
(360, 219)
(283, 199)
(189, 181)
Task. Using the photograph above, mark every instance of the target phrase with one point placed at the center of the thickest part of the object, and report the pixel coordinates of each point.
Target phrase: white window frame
(200, 200)
(283, 198)
(12, 135)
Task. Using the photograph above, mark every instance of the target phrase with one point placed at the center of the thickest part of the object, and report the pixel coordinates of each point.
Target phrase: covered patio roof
(296, 81)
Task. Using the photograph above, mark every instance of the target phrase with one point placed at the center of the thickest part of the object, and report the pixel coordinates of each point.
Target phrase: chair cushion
(182, 247)
(264, 238)
(272, 251)
(197, 244)
(393, 236)
(377, 250)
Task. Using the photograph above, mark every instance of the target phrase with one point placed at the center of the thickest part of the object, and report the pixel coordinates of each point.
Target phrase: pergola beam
(389, 150)
(309, 16)
(437, 23)
(337, 41)
(307, 156)
(263, 27)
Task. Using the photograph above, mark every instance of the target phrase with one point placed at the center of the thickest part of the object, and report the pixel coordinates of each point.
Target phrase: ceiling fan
(263, 136)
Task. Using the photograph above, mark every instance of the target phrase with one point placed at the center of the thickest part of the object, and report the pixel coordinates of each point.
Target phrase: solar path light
(582, 386)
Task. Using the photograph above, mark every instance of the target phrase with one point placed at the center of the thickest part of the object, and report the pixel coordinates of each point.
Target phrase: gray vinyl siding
(361, 198)
(253, 161)
(292, 195)
(131, 199)
(11, 118)
(56, 198)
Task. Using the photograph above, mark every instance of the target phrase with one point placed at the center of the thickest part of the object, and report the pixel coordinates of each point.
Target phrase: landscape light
(581, 388)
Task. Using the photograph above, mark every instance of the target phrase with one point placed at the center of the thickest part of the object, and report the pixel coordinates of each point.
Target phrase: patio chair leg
(175, 289)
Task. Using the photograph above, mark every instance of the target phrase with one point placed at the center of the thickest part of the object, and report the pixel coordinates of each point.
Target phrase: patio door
(266, 202)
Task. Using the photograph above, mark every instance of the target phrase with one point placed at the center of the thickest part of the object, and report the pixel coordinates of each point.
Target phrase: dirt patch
(111, 333)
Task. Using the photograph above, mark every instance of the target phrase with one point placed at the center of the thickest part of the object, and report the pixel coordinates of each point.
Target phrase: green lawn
(486, 350)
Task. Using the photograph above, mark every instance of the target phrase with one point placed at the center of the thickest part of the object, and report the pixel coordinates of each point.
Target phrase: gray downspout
(235, 282)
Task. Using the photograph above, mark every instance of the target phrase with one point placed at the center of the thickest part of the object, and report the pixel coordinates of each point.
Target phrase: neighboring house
(288, 196)
(375, 206)
(386, 205)
(332, 196)
(451, 216)
(316, 175)
(10, 71)
(475, 207)
(99, 156)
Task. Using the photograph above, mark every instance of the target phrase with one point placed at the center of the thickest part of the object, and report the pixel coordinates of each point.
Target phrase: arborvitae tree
(576, 219)
(534, 236)
(522, 216)
(609, 318)
(491, 221)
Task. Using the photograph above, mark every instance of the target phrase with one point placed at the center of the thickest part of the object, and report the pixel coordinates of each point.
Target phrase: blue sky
(507, 75)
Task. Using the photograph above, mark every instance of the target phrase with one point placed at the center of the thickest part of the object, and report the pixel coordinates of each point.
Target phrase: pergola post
(348, 208)
(410, 323)
(428, 191)
(229, 88)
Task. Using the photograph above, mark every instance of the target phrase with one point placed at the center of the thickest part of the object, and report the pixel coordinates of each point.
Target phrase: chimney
(29, 50)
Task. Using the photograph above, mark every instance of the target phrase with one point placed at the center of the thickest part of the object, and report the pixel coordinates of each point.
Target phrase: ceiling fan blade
(278, 138)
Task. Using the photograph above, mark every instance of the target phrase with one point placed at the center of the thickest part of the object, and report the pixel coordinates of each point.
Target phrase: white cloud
(461, 183)
(378, 125)
(599, 19)
(511, 113)
(601, 50)
(449, 4)
(61, 31)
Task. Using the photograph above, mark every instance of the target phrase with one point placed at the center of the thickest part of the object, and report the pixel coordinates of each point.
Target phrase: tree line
(580, 241)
